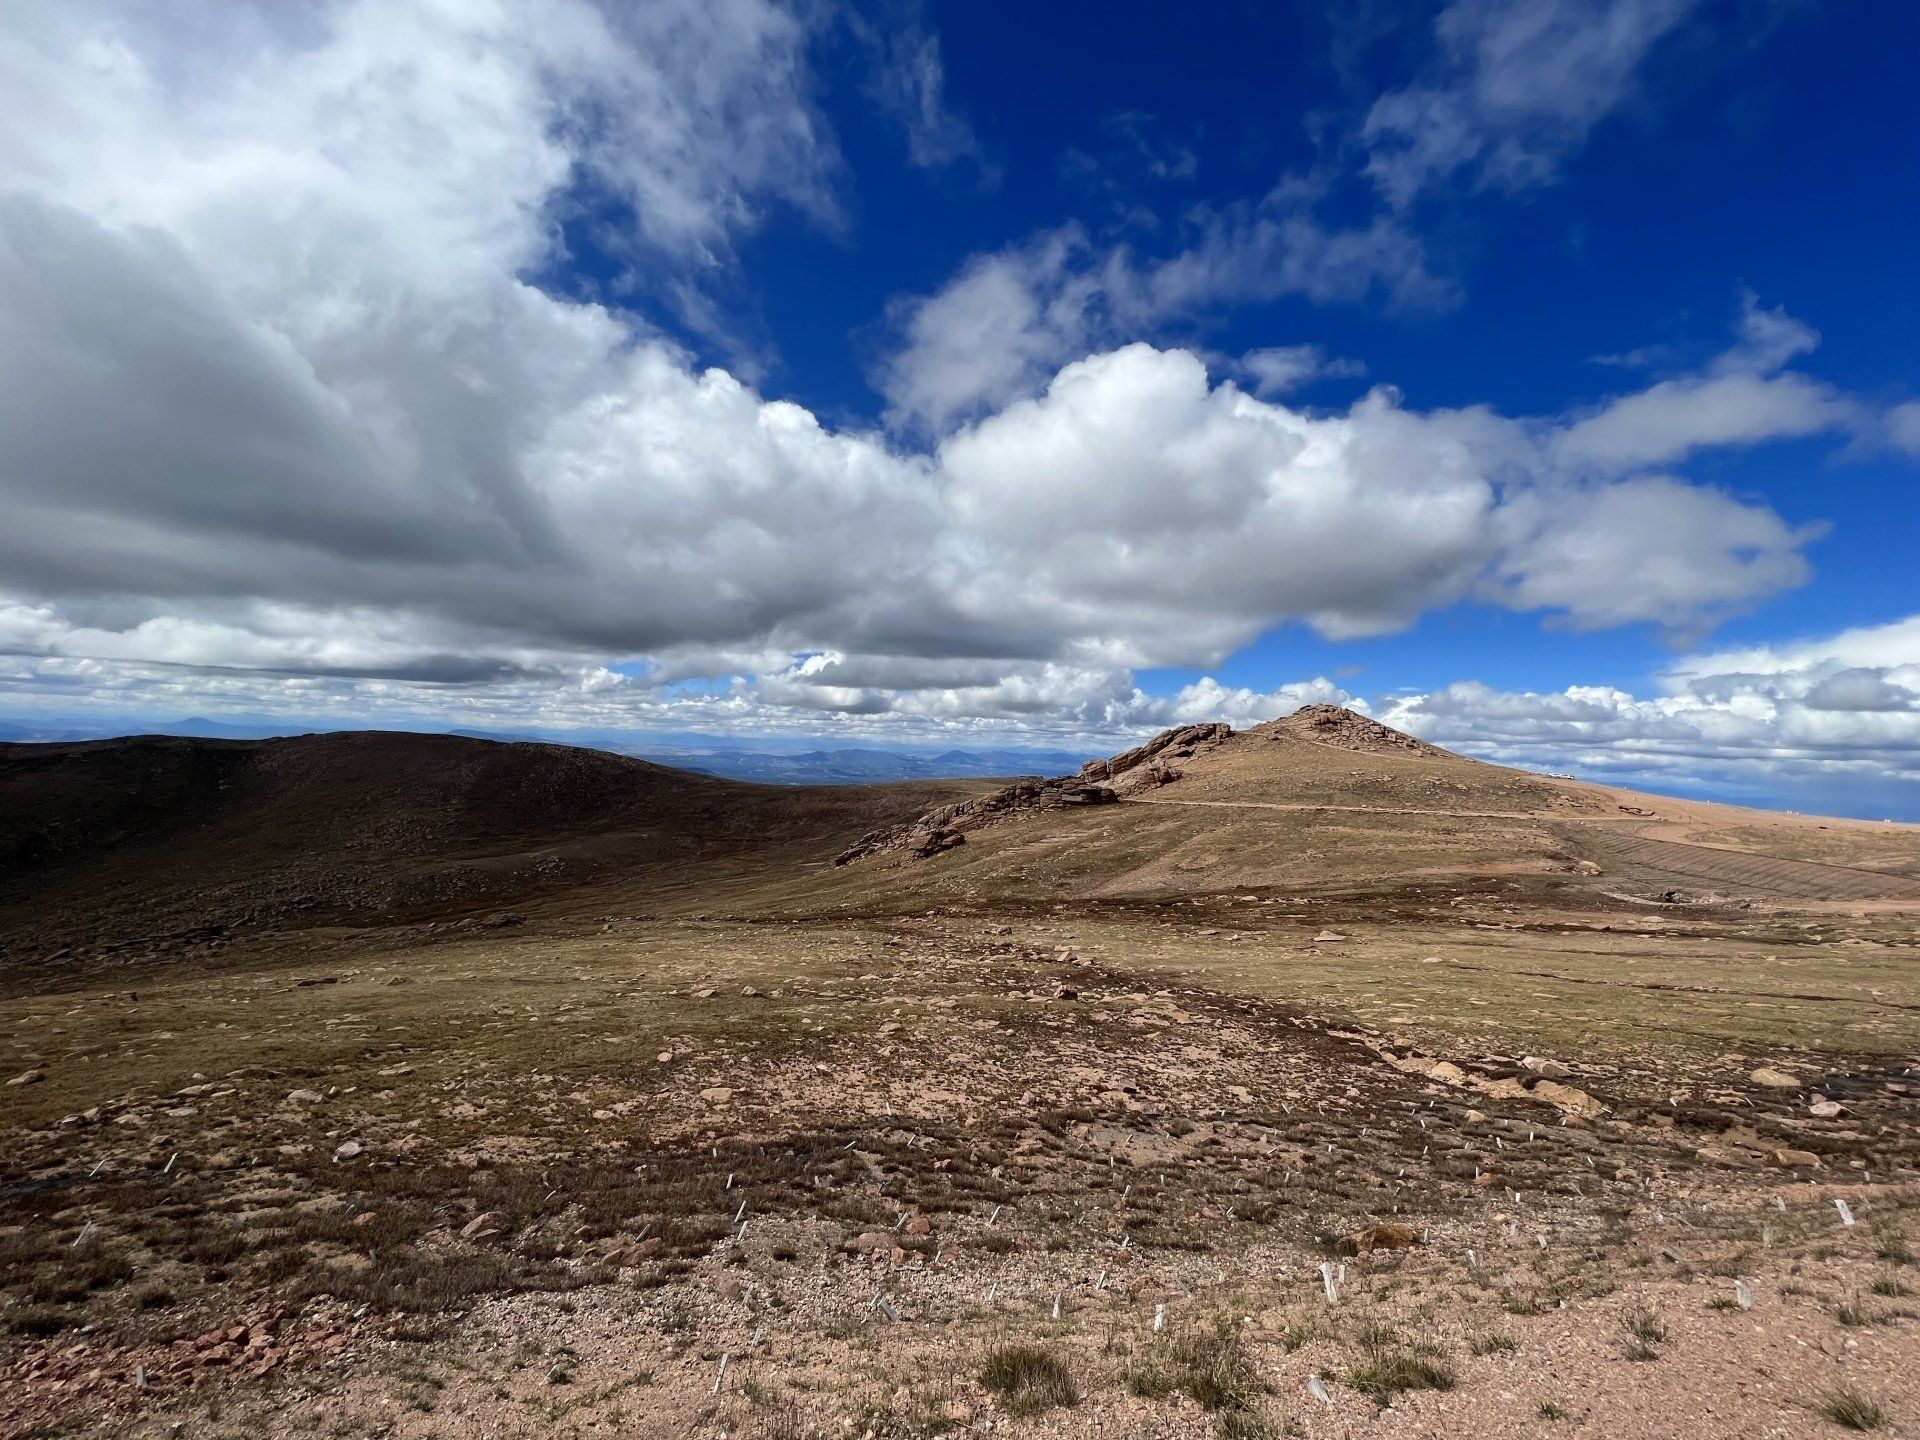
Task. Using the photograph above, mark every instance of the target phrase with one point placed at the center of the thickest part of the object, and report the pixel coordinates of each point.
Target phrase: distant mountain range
(866, 767)
(196, 726)
(706, 754)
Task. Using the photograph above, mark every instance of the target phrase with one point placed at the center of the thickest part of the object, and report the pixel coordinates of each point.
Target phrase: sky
(1537, 376)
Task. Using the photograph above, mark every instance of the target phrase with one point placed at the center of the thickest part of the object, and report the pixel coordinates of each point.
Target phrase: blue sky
(1537, 375)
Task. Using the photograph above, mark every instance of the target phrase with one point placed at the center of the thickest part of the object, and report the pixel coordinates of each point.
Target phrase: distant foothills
(766, 760)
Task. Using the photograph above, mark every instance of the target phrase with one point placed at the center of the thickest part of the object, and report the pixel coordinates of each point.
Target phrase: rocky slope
(1100, 782)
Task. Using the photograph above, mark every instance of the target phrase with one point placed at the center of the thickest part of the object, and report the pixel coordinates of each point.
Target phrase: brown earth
(410, 1086)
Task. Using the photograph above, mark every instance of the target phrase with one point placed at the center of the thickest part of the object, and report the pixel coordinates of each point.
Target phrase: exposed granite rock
(1100, 782)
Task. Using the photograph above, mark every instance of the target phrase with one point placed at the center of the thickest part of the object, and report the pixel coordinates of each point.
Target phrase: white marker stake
(1159, 1318)
(1326, 1279)
(1846, 1215)
(1318, 1390)
(721, 1377)
(1056, 1305)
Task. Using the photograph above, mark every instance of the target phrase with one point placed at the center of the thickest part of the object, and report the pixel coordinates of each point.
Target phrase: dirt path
(1348, 809)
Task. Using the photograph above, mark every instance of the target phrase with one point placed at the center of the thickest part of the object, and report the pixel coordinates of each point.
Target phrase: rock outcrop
(1336, 725)
(1100, 782)
(1148, 766)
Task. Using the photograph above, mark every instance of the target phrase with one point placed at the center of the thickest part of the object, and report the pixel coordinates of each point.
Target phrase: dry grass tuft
(1027, 1380)
(1850, 1409)
(1388, 1367)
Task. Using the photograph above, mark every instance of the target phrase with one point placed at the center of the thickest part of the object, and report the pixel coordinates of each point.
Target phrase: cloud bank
(291, 415)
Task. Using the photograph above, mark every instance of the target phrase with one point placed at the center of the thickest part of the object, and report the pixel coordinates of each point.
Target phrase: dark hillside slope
(130, 844)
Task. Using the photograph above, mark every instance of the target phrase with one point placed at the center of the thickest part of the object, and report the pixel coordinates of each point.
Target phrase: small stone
(717, 1094)
(1378, 1237)
(482, 1225)
(1774, 1079)
(347, 1151)
(305, 1097)
(1328, 937)
(638, 1253)
(1547, 1069)
(28, 1077)
(919, 1225)
(1826, 1110)
(1796, 1159)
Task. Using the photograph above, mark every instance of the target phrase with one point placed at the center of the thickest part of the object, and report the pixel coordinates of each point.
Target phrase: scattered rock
(717, 1094)
(1328, 937)
(1568, 1098)
(1796, 1159)
(1548, 1069)
(348, 1150)
(305, 1097)
(1826, 1110)
(28, 1077)
(1774, 1079)
(482, 1225)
